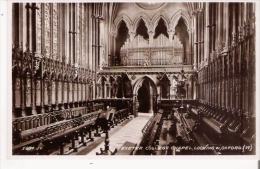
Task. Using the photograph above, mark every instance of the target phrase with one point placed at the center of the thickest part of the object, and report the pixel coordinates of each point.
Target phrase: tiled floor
(130, 132)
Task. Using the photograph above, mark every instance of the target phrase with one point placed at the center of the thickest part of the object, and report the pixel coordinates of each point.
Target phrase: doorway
(146, 92)
(143, 98)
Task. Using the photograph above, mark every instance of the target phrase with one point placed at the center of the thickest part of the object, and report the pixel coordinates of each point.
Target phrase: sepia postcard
(100, 84)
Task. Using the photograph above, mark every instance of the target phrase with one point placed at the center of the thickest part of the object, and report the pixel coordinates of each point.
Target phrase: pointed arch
(60, 76)
(181, 14)
(128, 76)
(145, 18)
(192, 77)
(165, 83)
(118, 20)
(164, 17)
(140, 81)
(101, 79)
(193, 7)
(127, 87)
(112, 7)
(65, 77)
(164, 75)
(112, 78)
(145, 93)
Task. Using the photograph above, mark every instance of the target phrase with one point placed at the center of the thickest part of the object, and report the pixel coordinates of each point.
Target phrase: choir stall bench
(105, 120)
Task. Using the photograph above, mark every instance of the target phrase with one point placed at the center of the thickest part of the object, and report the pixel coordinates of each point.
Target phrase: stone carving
(37, 62)
(47, 30)
(55, 31)
(39, 27)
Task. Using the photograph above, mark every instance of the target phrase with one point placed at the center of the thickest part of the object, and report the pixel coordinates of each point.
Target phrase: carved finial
(240, 33)
(233, 39)
(37, 62)
(245, 29)
(248, 28)
(252, 25)
(223, 45)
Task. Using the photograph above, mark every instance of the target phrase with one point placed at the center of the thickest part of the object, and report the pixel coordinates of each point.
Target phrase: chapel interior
(115, 78)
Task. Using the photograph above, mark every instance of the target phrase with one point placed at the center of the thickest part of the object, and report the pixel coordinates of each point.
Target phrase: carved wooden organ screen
(161, 51)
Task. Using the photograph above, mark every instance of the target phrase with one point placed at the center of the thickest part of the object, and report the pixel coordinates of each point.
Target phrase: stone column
(91, 91)
(226, 26)
(116, 63)
(207, 37)
(151, 34)
(195, 40)
(37, 57)
(74, 29)
(88, 37)
(198, 36)
(70, 34)
(105, 89)
(220, 26)
(159, 92)
(25, 80)
(69, 85)
(93, 43)
(98, 88)
(187, 91)
(132, 35)
(171, 34)
(66, 33)
(87, 92)
(101, 90)
(194, 91)
(109, 91)
(150, 99)
(80, 35)
(189, 59)
(97, 43)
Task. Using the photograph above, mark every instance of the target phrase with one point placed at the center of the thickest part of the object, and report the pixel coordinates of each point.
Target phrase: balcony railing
(115, 61)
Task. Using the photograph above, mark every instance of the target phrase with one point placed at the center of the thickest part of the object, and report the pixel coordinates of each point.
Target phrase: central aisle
(131, 132)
